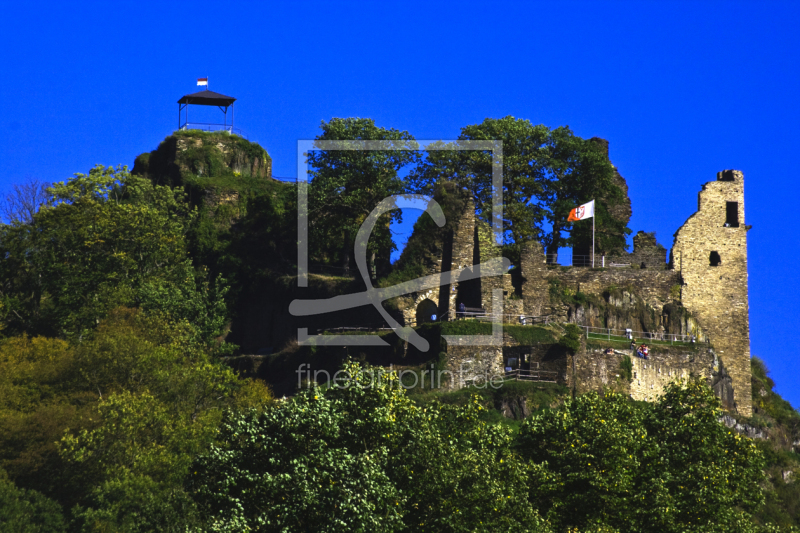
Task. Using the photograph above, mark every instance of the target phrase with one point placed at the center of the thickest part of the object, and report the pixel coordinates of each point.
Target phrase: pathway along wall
(710, 252)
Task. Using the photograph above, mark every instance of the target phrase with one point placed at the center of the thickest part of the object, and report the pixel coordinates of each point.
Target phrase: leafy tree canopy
(666, 466)
(346, 185)
(363, 457)
(107, 239)
(546, 173)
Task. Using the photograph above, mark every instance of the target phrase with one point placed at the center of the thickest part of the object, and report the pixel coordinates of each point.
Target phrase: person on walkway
(643, 351)
(462, 309)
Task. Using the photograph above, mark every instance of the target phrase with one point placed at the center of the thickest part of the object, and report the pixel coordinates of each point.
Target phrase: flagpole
(593, 217)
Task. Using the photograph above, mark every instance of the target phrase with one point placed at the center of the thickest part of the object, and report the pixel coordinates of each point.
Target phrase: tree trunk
(347, 250)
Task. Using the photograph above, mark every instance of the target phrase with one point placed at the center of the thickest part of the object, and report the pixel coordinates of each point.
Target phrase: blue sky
(680, 89)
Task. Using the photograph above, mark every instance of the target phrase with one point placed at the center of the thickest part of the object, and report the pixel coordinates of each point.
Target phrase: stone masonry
(593, 369)
(710, 252)
(647, 253)
(455, 250)
(705, 283)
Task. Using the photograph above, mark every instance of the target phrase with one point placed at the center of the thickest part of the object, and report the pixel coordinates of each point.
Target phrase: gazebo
(206, 98)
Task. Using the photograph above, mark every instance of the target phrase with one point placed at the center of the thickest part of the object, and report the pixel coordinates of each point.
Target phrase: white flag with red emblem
(582, 212)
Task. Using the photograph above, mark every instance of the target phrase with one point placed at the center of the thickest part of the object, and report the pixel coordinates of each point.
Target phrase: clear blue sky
(680, 89)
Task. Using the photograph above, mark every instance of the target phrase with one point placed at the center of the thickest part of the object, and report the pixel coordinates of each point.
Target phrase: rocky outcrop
(196, 154)
(743, 429)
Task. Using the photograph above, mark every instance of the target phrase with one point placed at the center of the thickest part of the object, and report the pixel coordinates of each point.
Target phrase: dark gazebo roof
(207, 98)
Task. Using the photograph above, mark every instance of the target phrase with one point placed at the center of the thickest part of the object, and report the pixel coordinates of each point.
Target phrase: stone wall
(535, 288)
(702, 291)
(462, 252)
(710, 252)
(448, 250)
(653, 285)
(473, 363)
(647, 253)
(486, 251)
(591, 369)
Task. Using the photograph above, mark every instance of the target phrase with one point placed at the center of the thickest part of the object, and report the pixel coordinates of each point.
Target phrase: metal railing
(332, 270)
(585, 261)
(209, 126)
(627, 335)
(548, 376)
(507, 318)
(382, 326)
(577, 260)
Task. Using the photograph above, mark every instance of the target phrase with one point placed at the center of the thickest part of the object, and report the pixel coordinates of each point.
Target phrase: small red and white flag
(582, 212)
(202, 81)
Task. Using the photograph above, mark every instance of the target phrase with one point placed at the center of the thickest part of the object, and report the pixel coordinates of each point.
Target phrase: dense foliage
(546, 173)
(362, 456)
(107, 239)
(348, 183)
(118, 414)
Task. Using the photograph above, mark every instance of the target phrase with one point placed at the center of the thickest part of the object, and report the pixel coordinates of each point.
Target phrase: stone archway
(410, 303)
(427, 311)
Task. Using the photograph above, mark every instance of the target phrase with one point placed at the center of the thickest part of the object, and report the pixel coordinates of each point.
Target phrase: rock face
(211, 166)
(195, 154)
(743, 429)
(710, 252)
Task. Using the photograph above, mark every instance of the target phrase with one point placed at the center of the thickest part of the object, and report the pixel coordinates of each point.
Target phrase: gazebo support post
(206, 98)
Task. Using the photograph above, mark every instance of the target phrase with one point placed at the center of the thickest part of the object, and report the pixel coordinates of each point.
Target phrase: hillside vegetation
(123, 296)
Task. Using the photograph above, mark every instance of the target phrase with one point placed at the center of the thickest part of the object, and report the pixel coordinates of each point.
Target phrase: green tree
(707, 475)
(668, 466)
(106, 237)
(39, 399)
(520, 149)
(27, 511)
(546, 173)
(579, 171)
(161, 398)
(363, 457)
(139, 399)
(346, 185)
(593, 449)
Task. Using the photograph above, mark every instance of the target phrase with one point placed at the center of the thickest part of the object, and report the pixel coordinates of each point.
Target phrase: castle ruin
(701, 291)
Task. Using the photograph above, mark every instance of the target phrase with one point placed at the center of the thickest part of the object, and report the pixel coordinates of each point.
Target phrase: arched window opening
(715, 259)
(427, 311)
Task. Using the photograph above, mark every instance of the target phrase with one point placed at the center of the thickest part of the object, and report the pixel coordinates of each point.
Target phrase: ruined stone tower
(699, 299)
(710, 253)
